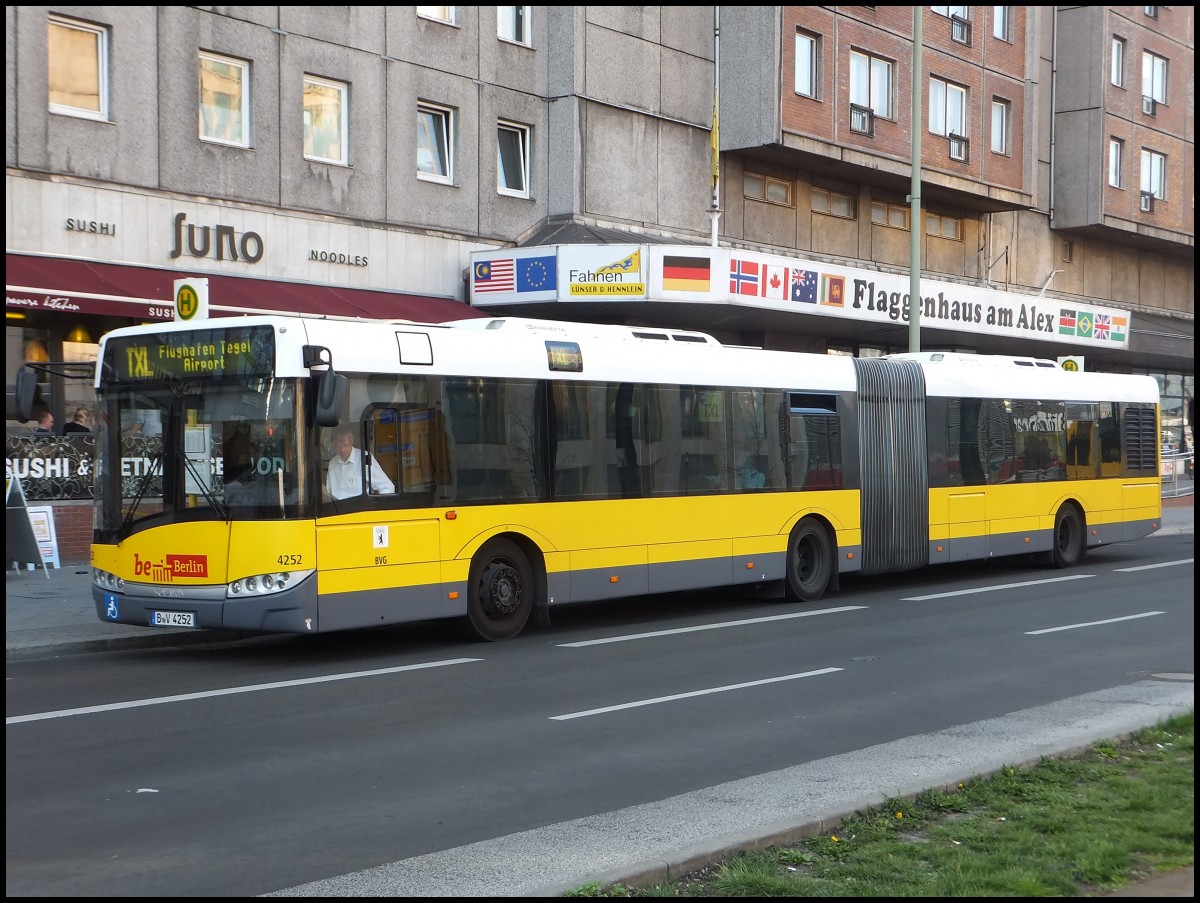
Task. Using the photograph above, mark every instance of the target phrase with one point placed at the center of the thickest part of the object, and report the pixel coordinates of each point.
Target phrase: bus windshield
(186, 451)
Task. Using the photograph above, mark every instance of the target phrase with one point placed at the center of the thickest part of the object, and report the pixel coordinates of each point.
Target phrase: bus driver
(345, 468)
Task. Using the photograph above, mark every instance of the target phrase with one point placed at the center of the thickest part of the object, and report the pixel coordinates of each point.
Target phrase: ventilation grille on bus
(1141, 438)
(894, 465)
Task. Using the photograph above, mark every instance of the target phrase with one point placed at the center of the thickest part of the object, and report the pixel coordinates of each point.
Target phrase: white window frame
(341, 92)
(758, 187)
(1001, 118)
(518, 139)
(100, 35)
(435, 138)
(1002, 23)
(513, 24)
(947, 108)
(808, 53)
(1154, 76)
(242, 120)
(1117, 69)
(951, 11)
(444, 14)
(871, 83)
(1116, 162)
(1154, 174)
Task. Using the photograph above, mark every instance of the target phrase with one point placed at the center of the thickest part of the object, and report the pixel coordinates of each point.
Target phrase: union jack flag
(1102, 326)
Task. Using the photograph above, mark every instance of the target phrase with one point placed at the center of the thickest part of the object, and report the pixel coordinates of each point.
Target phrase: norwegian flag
(743, 278)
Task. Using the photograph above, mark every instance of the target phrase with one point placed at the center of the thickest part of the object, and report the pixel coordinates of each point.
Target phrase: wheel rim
(808, 561)
(500, 589)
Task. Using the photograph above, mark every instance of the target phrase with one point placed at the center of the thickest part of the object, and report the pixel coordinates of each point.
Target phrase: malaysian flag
(494, 276)
(743, 278)
(804, 286)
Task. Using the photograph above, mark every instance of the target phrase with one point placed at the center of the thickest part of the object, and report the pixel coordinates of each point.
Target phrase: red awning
(145, 293)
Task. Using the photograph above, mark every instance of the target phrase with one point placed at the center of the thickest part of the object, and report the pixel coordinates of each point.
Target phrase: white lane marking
(991, 589)
(1161, 564)
(658, 699)
(1145, 614)
(231, 691)
(654, 633)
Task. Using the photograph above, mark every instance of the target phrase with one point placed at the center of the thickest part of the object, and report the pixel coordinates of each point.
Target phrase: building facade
(359, 160)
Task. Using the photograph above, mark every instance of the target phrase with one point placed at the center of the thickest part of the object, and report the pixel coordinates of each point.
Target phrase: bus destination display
(205, 353)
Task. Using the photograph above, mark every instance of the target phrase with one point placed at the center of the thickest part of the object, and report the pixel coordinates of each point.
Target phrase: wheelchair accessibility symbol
(112, 610)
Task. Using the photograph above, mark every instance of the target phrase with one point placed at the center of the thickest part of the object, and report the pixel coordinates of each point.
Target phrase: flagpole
(715, 135)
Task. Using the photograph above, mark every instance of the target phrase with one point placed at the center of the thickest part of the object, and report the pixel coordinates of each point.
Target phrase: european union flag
(537, 274)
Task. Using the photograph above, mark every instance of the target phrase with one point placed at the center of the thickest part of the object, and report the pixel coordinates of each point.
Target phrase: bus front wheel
(809, 562)
(500, 592)
(1069, 539)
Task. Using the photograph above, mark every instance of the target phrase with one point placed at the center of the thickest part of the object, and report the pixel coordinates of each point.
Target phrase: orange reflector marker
(1026, 539)
(614, 579)
(1097, 532)
(749, 565)
(849, 555)
(451, 515)
(939, 548)
(452, 595)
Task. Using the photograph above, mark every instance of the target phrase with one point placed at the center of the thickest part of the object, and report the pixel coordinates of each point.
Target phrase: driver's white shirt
(345, 476)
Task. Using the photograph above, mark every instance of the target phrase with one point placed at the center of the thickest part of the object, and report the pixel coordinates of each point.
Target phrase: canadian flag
(776, 282)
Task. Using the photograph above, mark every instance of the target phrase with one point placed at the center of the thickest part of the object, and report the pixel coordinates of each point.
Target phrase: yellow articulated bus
(315, 475)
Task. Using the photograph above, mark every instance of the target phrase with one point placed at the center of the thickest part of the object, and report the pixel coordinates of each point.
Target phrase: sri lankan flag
(1066, 321)
(686, 274)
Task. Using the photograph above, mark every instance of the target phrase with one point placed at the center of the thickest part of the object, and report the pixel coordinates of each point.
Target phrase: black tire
(1070, 541)
(500, 592)
(810, 563)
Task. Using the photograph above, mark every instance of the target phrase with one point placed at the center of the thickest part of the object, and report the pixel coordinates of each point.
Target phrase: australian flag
(804, 286)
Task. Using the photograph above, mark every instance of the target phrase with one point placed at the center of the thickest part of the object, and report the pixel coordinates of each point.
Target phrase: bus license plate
(172, 619)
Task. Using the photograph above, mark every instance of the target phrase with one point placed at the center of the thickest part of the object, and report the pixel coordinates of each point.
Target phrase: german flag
(686, 274)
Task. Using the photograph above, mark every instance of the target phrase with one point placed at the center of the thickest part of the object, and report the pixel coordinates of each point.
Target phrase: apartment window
(892, 215)
(832, 203)
(434, 147)
(960, 21)
(1002, 22)
(870, 91)
(947, 108)
(1068, 251)
(224, 100)
(1001, 117)
(943, 226)
(1117, 75)
(437, 13)
(325, 110)
(77, 56)
(767, 188)
(1150, 11)
(808, 52)
(1154, 174)
(1154, 77)
(513, 24)
(512, 159)
(1116, 162)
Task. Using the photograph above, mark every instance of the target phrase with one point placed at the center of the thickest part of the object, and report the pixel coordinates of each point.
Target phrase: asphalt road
(406, 762)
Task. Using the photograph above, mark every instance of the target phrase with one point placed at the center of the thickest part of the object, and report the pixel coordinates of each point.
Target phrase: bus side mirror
(331, 397)
(23, 392)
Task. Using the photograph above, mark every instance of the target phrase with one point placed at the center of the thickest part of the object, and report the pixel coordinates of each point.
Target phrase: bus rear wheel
(1069, 541)
(809, 562)
(500, 592)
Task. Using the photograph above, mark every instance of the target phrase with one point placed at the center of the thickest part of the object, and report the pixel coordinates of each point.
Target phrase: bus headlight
(265, 584)
(107, 581)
